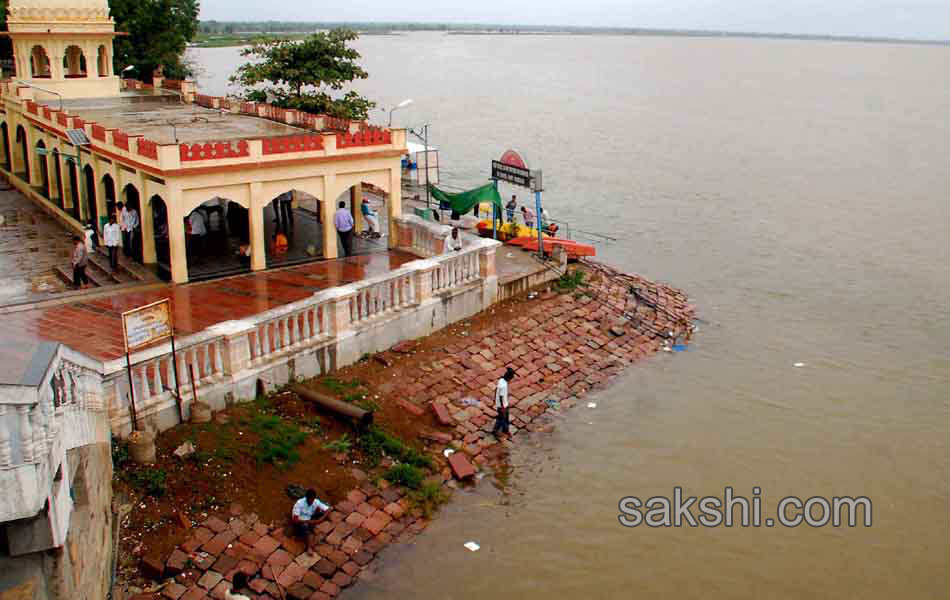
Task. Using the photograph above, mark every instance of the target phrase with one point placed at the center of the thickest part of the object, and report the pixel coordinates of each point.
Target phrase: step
(102, 264)
(96, 279)
(132, 270)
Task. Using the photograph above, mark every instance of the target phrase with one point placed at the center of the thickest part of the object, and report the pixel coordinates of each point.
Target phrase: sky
(927, 19)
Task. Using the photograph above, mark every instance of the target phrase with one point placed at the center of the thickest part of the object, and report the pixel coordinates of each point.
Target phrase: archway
(108, 193)
(74, 194)
(24, 153)
(130, 195)
(7, 159)
(57, 167)
(102, 61)
(296, 216)
(74, 62)
(92, 209)
(370, 222)
(44, 169)
(160, 232)
(39, 63)
(216, 232)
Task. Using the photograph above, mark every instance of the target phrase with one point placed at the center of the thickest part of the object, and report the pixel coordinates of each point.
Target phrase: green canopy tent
(464, 202)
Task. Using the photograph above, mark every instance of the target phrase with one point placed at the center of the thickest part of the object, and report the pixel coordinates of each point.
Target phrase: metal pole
(181, 414)
(132, 411)
(494, 217)
(82, 188)
(426, 142)
(537, 222)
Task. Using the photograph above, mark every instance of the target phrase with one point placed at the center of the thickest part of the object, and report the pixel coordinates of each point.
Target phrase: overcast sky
(890, 18)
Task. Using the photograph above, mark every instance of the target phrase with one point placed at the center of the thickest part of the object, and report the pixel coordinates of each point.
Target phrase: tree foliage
(307, 75)
(158, 33)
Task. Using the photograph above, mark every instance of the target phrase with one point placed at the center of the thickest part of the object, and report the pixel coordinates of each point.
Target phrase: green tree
(307, 75)
(158, 33)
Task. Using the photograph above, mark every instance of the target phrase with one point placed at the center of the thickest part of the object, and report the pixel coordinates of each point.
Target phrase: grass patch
(278, 440)
(341, 387)
(377, 442)
(149, 480)
(406, 475)
(429, 498)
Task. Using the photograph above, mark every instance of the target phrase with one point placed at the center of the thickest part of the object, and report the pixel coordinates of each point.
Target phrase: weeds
(428, 498)
(343, 445)
(339, 387)
(278, 440)
(570, 281)
(149, 480)
(405, 475)
(120, 452)
(376, 442)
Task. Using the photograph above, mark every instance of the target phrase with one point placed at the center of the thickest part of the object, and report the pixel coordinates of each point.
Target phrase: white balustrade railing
(381, 298)
(455, 270)
(287, 332)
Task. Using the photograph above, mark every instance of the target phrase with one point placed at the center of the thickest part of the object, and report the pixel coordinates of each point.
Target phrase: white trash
(591, 405)
(799, 365)
(472, 546)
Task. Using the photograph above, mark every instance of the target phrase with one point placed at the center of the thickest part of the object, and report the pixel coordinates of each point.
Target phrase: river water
(800, 193)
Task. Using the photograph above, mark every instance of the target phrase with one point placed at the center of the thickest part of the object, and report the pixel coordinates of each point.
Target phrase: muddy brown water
(798, 192)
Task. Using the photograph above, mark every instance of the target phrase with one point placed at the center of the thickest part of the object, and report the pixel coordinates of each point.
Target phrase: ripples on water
(798, 192)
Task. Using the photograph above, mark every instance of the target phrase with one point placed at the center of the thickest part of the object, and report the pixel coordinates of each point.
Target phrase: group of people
(528, 216)
(122, 229)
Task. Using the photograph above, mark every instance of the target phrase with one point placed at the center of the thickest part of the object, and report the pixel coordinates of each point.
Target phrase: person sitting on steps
(308, 512)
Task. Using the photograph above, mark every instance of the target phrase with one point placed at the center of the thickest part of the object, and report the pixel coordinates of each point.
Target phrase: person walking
(370, 216)
(112, 236)
(344, 226)
(501, 402)
(80, 260)
(510, 208)
(528, 217)
(287, 210)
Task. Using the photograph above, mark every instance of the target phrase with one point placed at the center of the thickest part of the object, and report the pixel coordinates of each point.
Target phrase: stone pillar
(394, 205)
(356, 202)
(176, 236)
(338, 311)
(422, 279)
(26, 433)
(148, 222)
(235, 347)
(329, 207)
(256, 222)
(6, 450)
(488, 274)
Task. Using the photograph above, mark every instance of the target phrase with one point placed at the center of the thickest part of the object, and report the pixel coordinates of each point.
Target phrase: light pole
(425, 141)
(402, 104)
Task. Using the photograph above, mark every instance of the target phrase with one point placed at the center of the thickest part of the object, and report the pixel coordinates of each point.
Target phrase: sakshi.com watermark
(732, 510)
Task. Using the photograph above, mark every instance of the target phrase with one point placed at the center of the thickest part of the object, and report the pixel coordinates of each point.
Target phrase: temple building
(168, 152)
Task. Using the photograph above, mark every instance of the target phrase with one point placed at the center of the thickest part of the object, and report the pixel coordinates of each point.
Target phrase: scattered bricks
(363, 534)
(313, 579)
(356, 496)
(336, 516)
(184, 521)
(442, 414)
(204, 562)
(260, 529)
(411, 408)
(249, 538)
(176, 563)
(267, 572)
(210, 579)
(461, 466)
(219, 592)
(238, 526)
(377, 502)
(236, 510)
(153, 567)
(248, 567)
(394, 528)
(194, 593)
(265, 547)
(362, 558)
(351, 545)
(337, 557)
(369, 489)
(318, 595)
(355, 519)
(294, 546)
(334, 539)
(218, 543)
(351, 569)
(307, 560)
(225, 564)
(258, 584)
(299, 591)
(291, 575)
(215, 524)
(325, 567)
(325, 527)
(192, 544)
(238, 550)
(330, 588)
(366, 509)
(377, 522)
(174, 591)
(391, 494)
(418, 525)
(279, 559)
(342, 580)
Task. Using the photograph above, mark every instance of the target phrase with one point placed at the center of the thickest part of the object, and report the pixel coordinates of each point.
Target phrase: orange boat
(574, 249)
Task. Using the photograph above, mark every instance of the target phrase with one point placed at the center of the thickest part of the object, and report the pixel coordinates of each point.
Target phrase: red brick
(362, 558)
(377, 522)
(325, 567)
(280, 559)
(294, 546)
(318, 595)
(258, 584)
(194, 593)
(174, 591)
(351, 568)
(153, 567)
(291, 575)
(394, 510)
(410, 407)
(218, 543)
(220, 590)
(209, 580)
(366, 509)
(355, 519)
(249, 538)
(352, 545)
(356, 496)
(330, 589)
(265, 546)
(215, 524)
(337, 557)
(299, 591)
(442, 414)
(313, 579)
(461, 466)
(342, 580)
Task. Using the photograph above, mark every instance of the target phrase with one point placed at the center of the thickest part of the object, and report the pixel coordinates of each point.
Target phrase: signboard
(147, 324)
(510, 174)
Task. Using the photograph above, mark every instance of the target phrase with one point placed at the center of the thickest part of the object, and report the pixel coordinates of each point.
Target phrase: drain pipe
(36, 87)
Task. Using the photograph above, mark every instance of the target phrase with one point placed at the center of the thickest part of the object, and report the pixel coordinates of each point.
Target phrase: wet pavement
(32, 244)
(94, 326)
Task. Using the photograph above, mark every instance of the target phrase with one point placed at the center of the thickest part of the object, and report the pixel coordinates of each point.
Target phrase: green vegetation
(158, 33)
(429, 498)
(223, 40)
(306, 74)
(120, 452)
(342, 445)
(278, 440)
(406, 475)
(150, 480)
(376, 442)
(570, 281)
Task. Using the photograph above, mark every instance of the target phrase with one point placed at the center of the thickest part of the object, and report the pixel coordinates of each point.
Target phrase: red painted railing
(79, 123)
(292, 143)
(249, 108)
(147, 148)
(120, 139)
(31, 107)
(336, 123)
(209, 151)
(99, 132)
(203, 100)
(63, 119)
(171, 84)
(367, 137)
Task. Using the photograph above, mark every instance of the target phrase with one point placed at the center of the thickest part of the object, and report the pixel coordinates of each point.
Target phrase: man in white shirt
(453, 242)
(501, 402)
(112, 236)
(308, 512)
(129, 222)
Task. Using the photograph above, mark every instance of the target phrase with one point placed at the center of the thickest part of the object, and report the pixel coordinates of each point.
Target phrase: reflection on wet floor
(32, 244)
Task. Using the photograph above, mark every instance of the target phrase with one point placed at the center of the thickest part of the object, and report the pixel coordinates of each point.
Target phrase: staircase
(101, 275)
